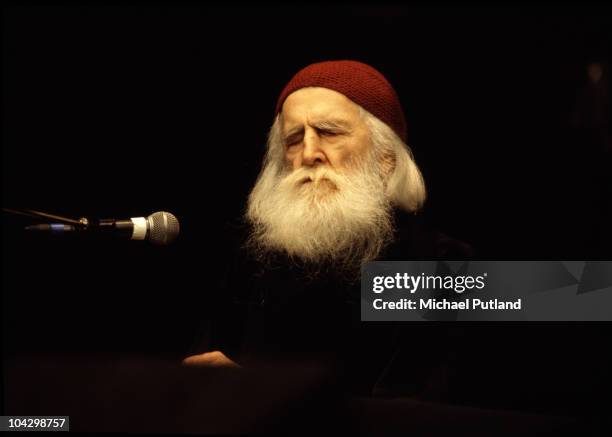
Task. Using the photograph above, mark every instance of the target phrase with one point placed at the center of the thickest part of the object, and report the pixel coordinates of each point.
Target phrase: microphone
(160, 228)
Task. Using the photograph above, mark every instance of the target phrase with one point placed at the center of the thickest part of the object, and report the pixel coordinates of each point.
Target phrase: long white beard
(321, 216)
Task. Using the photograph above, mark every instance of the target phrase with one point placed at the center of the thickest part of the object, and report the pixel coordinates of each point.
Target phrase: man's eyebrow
(329, 123)
(333, 123)
(293, 131)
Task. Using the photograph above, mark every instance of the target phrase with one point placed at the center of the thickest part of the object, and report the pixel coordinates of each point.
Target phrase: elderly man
(339, 187)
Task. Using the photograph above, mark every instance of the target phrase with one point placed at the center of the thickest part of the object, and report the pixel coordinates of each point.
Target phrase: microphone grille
(163, 227)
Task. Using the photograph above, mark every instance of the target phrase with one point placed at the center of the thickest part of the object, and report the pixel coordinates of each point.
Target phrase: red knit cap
(359, 82)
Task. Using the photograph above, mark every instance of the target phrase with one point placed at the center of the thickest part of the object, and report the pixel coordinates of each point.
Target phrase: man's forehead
(317, 104)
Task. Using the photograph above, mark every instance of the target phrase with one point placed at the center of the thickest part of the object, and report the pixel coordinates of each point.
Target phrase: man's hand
(210, 359)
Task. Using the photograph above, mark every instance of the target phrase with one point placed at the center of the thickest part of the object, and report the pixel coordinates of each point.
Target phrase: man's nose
(312, 153)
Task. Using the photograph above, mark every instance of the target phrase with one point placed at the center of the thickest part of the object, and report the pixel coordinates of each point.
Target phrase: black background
(122, 109)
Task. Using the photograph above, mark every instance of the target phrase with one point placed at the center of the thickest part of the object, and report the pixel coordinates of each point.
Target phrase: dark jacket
(278, 312)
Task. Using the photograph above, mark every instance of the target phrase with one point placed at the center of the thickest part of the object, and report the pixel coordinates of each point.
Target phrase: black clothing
(279, 312)
(267, 315)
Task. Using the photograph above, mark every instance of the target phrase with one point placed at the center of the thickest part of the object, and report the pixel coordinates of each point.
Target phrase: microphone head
(163, 227)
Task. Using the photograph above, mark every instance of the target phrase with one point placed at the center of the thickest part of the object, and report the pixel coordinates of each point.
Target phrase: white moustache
(303, 176)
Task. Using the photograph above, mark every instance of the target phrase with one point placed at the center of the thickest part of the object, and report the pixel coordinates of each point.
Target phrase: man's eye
(327, 133)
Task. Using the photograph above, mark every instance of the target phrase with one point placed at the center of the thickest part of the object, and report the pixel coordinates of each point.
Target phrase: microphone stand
(81, 223)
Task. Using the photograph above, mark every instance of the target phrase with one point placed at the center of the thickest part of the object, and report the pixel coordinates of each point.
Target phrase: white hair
(355, 224)
(405, 184)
